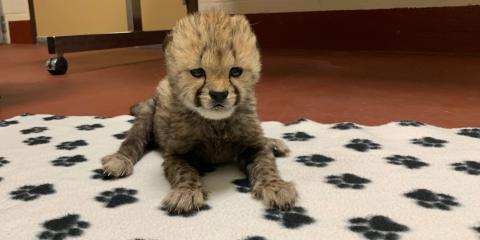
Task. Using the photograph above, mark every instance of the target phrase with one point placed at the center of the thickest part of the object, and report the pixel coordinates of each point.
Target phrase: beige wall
(161, 14)
(261, 6)
(74, 17)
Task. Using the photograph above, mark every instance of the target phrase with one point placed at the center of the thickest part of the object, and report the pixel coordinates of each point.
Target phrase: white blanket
(402, 180)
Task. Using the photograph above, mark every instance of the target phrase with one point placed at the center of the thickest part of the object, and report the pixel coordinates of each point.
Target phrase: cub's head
(212, 62)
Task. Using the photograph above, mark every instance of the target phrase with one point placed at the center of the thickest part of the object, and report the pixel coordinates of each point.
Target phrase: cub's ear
(166, 41)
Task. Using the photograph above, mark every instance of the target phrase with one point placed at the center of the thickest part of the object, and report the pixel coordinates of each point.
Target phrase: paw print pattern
(71, 145)
(131, 120)
(27, 114)
(98, 174)
(293, 218)
(31, 192)
(477, 230)
(3, 161)
(297, 136)
(296, 122)
(5, 123)
(89, 127)
(54, 117)
(377, 228)
(61, 228)
(117, 197)
(470, 132)
(348, 180)
(345, 126)
(315, 160)
(407, 161)
(470, 167)
(429, 142)
(363, 145)
(185, 214)
(255, 238)
(33, 130)
(410, 123)
(101, 117)
(121, 135)
(67, 161)
(37, 140)
(243, 185)
(429, 199)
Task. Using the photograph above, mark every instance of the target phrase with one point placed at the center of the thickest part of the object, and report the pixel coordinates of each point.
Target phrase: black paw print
(117, 197)
(377, 228)
(297, 136)
(89, 127)
(429, 199)
(470, 167)
(3, 161)
(54, 117)
(243, 185)
(33, 130)
(429, 142)
(71, 145)
(407, 161)
(131, 120)
(31, 192)
(121, 135)
(5, 123)
(185, 214)
(27, 114)
(470, 132)
(293, 218)
(254, 238)
(477, 230)
(67, 161)
(410, 123)
(315, 160)
(61, 228)
(37, 140)
(101, 117)
(345, 126)
(362, 145)
(348, 180)
(296, 122)
(98, 174)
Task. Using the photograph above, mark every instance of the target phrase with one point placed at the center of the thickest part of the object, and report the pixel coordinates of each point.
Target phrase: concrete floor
(364, 87)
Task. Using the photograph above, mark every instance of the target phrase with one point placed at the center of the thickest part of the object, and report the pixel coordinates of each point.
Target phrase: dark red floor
(364, 87)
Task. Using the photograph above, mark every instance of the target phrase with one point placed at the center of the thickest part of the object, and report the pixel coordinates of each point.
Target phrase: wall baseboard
(441, 29)
(21, 32)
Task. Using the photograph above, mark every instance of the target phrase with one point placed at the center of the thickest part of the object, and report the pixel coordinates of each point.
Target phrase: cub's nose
(218, 96)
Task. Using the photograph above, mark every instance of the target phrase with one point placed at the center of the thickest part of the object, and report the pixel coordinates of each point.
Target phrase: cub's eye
(197, 72)
(236, 72)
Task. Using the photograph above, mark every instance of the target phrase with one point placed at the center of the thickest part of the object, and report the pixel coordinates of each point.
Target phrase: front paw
(117, 165)
(276, 194)
(185, 200)
(278, 146)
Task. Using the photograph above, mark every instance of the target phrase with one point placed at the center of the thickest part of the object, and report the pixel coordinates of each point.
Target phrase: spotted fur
(188, 127)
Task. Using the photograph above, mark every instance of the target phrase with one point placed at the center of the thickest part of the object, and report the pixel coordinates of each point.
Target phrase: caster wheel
(57, 65)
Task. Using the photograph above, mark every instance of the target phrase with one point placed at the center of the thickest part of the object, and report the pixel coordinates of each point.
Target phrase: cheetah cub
(204, 111)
